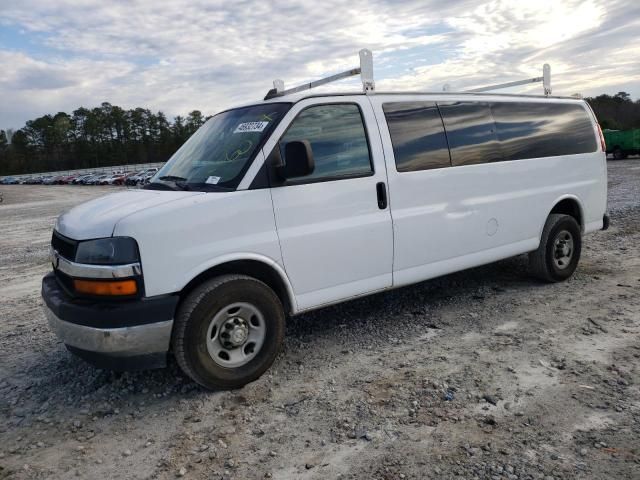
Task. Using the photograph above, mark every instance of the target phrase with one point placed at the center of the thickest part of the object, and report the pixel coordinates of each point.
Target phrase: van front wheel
(228, 331)
(558, 254)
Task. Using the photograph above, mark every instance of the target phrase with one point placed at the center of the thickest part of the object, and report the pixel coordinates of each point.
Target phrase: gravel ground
(481, 374)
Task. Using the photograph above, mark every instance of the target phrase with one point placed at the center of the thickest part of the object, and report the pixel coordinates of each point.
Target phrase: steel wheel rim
(236, 334)
(563, 249)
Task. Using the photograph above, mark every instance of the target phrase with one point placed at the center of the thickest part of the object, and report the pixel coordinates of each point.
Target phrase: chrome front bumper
(138, 340)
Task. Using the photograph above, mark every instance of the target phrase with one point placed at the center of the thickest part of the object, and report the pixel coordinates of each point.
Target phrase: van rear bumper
(136, 335)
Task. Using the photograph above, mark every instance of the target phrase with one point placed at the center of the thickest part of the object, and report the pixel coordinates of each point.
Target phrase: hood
(98, 218)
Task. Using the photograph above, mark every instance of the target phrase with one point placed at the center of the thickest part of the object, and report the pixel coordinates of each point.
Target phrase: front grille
(64, 246)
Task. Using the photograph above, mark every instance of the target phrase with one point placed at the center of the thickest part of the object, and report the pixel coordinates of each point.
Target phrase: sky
(180, 55)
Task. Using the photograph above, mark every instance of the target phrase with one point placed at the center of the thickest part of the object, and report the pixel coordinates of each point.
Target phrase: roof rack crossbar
(365, 70)
(545, 79)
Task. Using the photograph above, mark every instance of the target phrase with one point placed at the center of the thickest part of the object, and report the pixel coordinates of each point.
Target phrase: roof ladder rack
(365, 71)
(545, 79)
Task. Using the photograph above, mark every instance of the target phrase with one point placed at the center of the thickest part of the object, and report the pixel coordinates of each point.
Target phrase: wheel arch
(261, 268)
(568, 205)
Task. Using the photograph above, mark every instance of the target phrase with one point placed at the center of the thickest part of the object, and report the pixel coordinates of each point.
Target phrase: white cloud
(182, 55)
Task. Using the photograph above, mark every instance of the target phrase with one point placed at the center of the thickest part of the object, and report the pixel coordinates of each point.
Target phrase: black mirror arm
(275, 158)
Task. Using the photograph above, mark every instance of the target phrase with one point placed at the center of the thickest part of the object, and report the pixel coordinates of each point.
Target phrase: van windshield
(217, 156)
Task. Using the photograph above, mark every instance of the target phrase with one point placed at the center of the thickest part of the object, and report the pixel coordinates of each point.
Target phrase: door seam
(389, 196)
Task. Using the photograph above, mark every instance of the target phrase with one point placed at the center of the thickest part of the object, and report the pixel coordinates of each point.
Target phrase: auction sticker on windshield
(251, 127)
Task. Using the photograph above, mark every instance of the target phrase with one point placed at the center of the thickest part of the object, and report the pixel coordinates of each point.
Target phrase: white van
(302, 201)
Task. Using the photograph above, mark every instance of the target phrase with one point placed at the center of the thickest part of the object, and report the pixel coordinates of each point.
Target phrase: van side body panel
(453, 218)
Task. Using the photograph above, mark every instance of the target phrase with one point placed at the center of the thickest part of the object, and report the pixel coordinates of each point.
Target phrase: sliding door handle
(381, 190)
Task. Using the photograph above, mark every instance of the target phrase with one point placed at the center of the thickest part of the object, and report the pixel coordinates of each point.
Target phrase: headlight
(108, 251)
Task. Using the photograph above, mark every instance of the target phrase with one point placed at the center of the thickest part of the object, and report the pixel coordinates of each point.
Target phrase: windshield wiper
(209, 187)
(181, 184)
(172, 178)
(177, 181)
(162, 186)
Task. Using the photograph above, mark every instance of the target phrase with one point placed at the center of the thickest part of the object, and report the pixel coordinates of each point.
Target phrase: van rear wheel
(228, 331)
(558, 254)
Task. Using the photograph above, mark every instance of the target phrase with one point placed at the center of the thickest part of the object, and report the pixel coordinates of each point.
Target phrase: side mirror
(298, 160)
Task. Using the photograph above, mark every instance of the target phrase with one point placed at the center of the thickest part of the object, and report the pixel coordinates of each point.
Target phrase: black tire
(549, 262)
(193, 320)
(618, 154)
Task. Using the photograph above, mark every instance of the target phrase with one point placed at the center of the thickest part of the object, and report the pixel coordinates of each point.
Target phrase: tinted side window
(417, 135)
(531, 130)
(337, 137)
(471, 133)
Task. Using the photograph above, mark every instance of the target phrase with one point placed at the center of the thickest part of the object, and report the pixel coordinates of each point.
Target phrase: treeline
(109, 135)
(89, 138)
(616, 112)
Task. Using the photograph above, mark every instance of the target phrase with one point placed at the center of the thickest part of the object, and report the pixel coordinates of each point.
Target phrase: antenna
(545, 79)
(365, 71)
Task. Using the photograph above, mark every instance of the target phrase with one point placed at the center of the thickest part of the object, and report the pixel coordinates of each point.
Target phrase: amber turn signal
(109, 287)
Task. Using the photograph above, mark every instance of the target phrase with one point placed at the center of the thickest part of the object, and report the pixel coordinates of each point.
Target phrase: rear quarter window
(542, 129)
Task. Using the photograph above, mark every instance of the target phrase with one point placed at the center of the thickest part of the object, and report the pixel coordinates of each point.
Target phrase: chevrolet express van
(302, 201)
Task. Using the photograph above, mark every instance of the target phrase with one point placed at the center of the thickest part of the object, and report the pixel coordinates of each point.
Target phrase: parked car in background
(66, 179)
(115, 179)
(128, 176)
(95, 180)
(622, 143)
(148, 175)
(84, 179)
(89, 180)
(118, 179)
(132, 178)
(135, 179)
(80, 178)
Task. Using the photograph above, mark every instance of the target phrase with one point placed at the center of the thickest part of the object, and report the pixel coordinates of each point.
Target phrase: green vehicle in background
(622, 143)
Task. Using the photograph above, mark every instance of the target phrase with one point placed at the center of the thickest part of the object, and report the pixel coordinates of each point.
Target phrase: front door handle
(381, 190)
